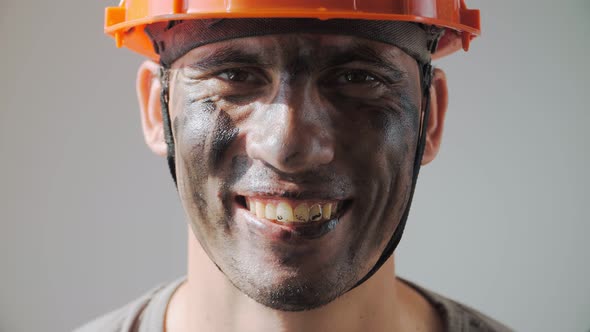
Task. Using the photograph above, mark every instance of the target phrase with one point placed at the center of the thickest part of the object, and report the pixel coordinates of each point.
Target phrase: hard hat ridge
(127, 22)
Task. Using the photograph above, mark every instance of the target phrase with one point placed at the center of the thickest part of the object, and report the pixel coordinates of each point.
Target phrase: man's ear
(148, 95)
(438, 109)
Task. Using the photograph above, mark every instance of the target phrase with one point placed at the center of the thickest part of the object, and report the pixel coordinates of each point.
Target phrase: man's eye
(237, 75)
(356, 76)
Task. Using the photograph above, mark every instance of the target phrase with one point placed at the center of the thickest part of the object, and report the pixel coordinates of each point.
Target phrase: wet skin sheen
(295, 116)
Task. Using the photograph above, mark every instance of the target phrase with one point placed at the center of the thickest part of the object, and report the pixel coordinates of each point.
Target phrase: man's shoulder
(458, 317)
(147, 310)
(114, 321)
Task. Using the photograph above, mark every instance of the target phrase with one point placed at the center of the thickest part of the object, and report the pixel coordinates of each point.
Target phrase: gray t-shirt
(146, 314)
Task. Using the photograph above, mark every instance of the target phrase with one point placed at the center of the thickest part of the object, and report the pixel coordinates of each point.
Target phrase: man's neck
(207, 301)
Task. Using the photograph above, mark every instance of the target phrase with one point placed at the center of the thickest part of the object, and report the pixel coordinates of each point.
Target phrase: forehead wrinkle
(362, 51)
(305, 53)
(240, 51)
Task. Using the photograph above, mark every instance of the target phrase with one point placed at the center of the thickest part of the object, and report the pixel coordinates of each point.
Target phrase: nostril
(290, 158)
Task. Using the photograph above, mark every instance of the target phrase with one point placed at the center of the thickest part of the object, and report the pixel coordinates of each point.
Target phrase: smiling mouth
(293, 212)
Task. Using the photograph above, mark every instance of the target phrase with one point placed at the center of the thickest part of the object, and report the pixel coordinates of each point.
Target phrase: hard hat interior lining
(173, 39)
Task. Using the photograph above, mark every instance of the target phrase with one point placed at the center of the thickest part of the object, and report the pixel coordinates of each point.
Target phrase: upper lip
(323, 184)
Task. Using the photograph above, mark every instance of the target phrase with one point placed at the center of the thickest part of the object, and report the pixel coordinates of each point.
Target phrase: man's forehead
(272, 47)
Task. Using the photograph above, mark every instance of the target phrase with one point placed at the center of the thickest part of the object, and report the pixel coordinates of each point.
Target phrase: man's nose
(295, 135)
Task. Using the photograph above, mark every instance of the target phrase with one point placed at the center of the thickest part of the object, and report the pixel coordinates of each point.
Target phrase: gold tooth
(270, 212)
(327, 211)
(315, 212)
(284, 212)
(301, 212)
(260, 213)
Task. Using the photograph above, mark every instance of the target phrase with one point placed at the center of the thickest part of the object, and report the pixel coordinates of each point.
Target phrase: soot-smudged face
(294, 158)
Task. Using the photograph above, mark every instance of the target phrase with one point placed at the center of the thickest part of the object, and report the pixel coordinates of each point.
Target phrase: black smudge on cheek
(392, 133)
(188, 145)
(224, 134)
(401, 144)
(193, 131)
(206, 134)
(401, 160)
(240, 165)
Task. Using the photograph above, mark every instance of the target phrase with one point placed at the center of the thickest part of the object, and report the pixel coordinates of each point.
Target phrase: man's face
(295, 126)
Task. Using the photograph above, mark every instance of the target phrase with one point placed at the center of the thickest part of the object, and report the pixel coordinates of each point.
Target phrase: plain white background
(90, 218)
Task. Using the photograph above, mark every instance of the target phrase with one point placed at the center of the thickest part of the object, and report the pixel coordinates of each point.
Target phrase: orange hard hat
(126, 23)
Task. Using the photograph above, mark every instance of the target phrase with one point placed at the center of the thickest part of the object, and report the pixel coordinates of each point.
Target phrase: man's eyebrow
(228, 55)
(367, 54)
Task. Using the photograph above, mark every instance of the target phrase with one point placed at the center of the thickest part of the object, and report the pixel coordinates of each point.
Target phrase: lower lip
(288, 232)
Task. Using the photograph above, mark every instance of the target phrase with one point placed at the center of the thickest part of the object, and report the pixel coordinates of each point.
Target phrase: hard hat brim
(127, 22)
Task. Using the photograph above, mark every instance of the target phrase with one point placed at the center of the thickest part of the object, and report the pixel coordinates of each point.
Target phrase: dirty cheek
(387, 165)
(224, 134)
(203, 135)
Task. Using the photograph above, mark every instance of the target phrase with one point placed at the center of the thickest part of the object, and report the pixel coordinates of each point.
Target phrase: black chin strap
(164, 98)
(427, 73)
